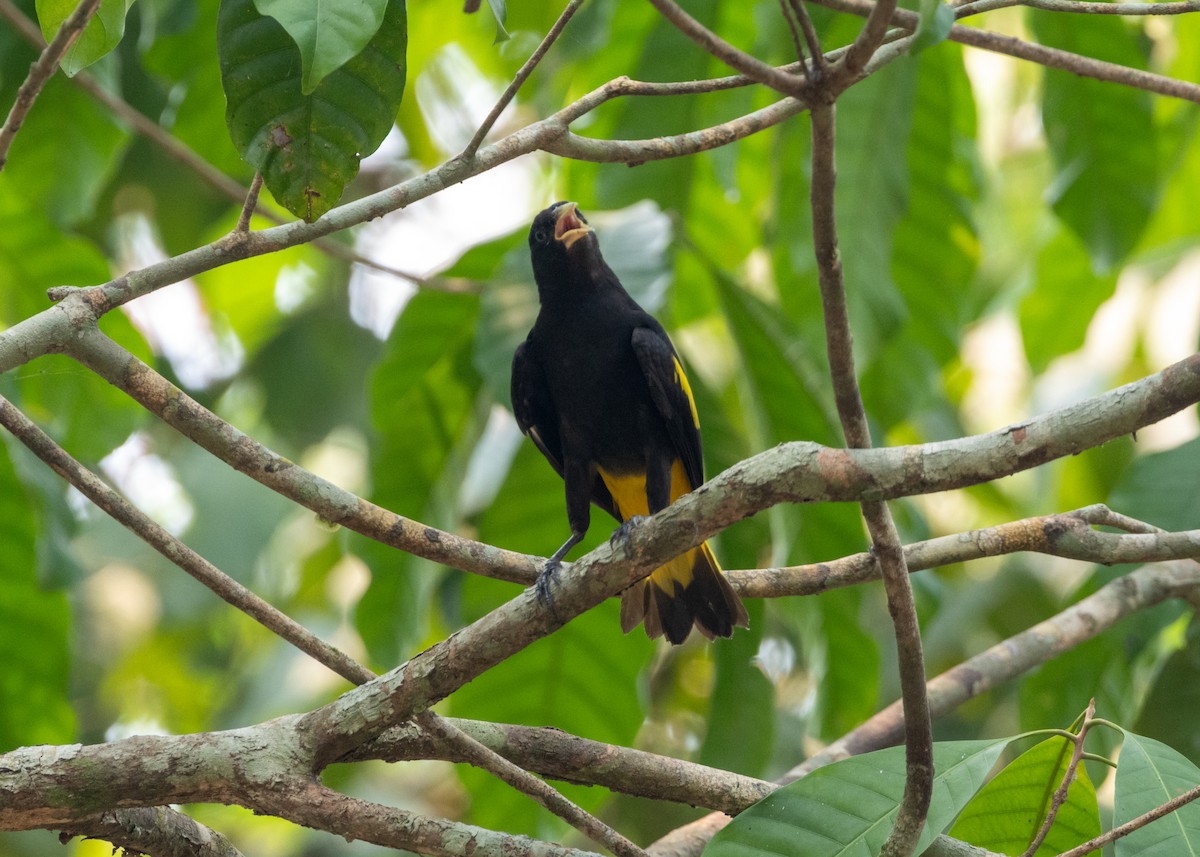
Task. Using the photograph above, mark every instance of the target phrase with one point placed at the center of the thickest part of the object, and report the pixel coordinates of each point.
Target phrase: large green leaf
(1009, 811)
(102, 33)
(1066, 293)
(1149, 774)
(847, 809)
(328, 34)
(34, 630)
(61, 177)
(1176, 689)
(307, 146)
(424, 397)
(1103, 137)
(1160, 488)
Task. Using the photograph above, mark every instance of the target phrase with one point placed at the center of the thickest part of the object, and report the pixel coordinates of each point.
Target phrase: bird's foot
(547, 579)
(622, 533)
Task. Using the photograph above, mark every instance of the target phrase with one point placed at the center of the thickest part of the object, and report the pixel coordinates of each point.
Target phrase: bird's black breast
(597, 386)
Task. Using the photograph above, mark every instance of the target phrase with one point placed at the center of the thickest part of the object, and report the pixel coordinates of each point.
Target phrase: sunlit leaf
(328, 34)
(102, 33)
(1008, 812)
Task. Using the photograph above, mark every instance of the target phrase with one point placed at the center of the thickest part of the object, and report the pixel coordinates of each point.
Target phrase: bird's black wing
(533, 407)
(537, 417)
(672, 395)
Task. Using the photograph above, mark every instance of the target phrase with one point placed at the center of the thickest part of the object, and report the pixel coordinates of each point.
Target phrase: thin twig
(885, 540)
(1060, 793)
(522, 75)
(820, 61)
(42, 70)
(749, 65)
(251, 203)
(850, 66)
(1134, 824)
(789, 15)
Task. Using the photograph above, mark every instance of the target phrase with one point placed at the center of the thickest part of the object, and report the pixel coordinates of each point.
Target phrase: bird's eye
(540, 236)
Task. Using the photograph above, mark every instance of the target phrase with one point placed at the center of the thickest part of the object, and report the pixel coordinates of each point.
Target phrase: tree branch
(158, 831)
(283, 626)
(41, 72)
(1068, 535)
(557, 754)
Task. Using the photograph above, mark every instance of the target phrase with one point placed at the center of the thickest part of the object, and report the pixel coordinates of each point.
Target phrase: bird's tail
(689, 590)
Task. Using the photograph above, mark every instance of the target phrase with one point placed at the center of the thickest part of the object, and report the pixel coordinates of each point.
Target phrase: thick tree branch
(41, 72)
(557, 754)
(793, 472)
(157, 831)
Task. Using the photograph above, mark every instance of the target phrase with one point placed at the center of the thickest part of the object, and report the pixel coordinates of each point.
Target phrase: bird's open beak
(569, 226)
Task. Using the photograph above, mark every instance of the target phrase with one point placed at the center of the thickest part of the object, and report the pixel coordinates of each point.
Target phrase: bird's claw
(547, 579)
(621, 533)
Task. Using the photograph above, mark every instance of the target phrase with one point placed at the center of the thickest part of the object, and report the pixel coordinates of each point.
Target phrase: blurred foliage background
(1014, 239)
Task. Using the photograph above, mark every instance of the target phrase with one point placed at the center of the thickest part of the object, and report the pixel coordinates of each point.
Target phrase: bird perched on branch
(599, 389)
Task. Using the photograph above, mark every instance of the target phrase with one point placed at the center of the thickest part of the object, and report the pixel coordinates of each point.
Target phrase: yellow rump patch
(629, 496)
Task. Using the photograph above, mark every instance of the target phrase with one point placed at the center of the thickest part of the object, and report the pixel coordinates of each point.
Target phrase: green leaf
(1160, 488)
(1149, 774)
(328, 34)
(1056, 313)
(35, 629)
(933, 26)
(1009, 811)
(847, 809)
(1176, 689)
(1102, 137)
(102, 33)
(307, 146)
(500, 12)
(423, 398)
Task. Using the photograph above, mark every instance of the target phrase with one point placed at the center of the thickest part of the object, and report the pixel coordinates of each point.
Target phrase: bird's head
(560, 239)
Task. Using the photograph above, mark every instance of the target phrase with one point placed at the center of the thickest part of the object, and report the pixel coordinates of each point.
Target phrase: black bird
(599, 389)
